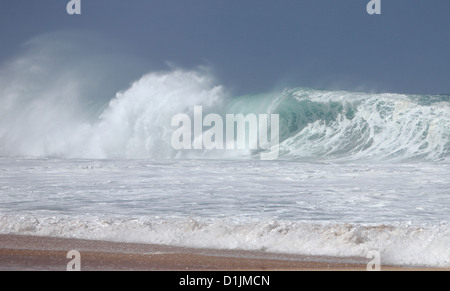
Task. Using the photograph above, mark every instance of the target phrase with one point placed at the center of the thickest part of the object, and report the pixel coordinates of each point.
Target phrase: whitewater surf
(356, 171)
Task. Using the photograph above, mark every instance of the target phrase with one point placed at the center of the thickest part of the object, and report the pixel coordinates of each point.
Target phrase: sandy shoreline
(29, 253)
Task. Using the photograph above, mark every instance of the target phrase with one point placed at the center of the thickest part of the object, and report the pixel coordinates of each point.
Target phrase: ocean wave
(48, 110)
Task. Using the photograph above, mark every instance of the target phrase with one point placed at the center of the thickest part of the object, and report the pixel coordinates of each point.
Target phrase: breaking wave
(52, 110)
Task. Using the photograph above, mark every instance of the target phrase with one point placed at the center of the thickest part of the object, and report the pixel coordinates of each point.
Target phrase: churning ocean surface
(356, 171)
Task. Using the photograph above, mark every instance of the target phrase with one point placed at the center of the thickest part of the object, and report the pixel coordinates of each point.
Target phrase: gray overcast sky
(257, 45)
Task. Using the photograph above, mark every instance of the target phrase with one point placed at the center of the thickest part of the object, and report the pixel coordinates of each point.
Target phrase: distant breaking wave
(359, 126)
(46, 112)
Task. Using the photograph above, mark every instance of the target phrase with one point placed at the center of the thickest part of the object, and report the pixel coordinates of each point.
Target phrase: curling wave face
(360, 126)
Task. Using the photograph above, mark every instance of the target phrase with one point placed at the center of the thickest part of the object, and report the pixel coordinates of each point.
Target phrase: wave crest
(357, 126)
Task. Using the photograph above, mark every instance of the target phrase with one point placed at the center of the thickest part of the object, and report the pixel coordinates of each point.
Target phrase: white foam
(399, 244)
